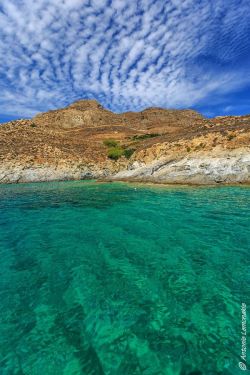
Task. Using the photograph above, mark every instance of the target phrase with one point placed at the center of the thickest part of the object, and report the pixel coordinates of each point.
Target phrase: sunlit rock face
(157, 145)
(90, 113)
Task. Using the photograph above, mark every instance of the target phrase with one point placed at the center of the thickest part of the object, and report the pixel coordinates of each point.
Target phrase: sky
(127, 54)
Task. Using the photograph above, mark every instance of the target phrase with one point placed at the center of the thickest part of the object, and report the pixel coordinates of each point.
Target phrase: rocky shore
(202, 169)
(85, 141)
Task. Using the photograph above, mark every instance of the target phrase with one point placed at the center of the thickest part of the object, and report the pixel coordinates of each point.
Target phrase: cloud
(127, 54)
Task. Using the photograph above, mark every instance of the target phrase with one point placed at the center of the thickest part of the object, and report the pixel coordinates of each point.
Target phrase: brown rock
(68, 143)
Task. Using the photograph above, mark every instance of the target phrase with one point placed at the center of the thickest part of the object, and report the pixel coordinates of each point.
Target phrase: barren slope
(171, 146)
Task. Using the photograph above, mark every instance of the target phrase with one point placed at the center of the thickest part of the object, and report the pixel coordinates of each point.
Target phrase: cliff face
(168, 146)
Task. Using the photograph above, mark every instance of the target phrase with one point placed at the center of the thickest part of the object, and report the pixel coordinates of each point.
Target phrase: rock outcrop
(165, 146)
(202, 169)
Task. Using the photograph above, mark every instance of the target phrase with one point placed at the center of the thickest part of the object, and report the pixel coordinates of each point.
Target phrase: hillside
(84, 140)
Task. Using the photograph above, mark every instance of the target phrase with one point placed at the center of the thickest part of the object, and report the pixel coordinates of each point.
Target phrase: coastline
(134, 183)
(224, 167)
(85, 141)
(173, 185)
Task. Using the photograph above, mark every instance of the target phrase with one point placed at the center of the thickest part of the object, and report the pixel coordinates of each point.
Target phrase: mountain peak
(86, 104)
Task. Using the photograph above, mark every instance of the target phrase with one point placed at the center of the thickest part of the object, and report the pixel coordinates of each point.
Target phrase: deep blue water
(122, 279)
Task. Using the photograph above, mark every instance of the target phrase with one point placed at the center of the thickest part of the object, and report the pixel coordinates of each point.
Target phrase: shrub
(128, 152)
(230, 137)
(110, 143)
(188, 149)
(115, 153)
(33, 125)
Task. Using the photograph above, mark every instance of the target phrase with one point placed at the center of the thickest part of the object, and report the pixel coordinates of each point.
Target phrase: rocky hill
(84, 140)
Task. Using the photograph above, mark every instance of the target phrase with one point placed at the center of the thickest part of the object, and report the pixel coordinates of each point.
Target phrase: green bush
(115, 153)
(110, 143)
(188, 149)
(33, 125)
(128, 152)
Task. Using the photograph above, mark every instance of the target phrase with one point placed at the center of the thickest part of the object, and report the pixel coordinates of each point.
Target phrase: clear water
(120, 280)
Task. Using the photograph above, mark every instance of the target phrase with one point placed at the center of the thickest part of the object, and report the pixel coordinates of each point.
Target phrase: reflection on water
(109, 279)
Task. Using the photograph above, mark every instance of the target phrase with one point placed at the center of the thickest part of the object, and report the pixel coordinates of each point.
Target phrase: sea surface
(122, 279)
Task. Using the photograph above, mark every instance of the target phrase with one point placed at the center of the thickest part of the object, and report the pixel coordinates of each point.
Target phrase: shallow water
(120, 279)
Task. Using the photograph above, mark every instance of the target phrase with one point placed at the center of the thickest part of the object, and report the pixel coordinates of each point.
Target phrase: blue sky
(128, 54)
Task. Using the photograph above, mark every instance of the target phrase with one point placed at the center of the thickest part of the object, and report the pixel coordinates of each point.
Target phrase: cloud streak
(128, 55)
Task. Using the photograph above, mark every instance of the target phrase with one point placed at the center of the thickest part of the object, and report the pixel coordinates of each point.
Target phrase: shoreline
(137, 182)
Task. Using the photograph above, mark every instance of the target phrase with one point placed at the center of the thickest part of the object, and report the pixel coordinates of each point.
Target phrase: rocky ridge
(165, 146)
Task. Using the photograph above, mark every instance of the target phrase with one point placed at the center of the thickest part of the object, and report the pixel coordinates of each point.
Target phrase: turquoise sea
(122, 279)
